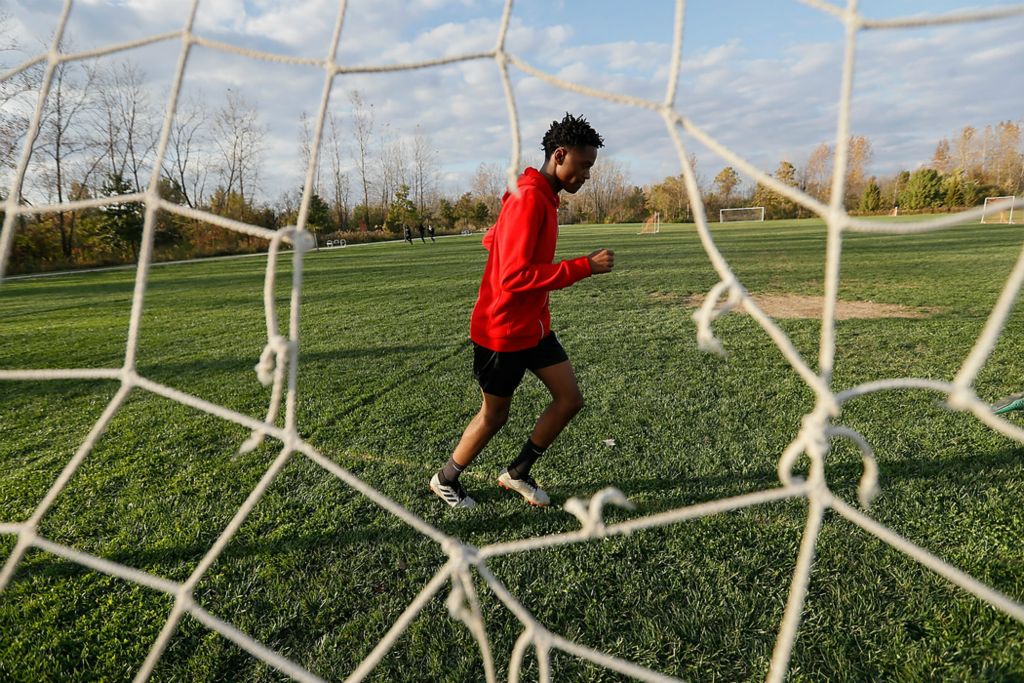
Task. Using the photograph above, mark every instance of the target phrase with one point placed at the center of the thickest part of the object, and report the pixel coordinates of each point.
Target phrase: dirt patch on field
(666, 297)
(799, 306)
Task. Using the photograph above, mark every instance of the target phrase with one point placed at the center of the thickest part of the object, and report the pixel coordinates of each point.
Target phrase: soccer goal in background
(1000, 210)
(744, 213)
(652, 226)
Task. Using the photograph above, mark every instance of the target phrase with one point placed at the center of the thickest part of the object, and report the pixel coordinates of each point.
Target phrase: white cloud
(307, 24)
(1001, 53)
(713, 57)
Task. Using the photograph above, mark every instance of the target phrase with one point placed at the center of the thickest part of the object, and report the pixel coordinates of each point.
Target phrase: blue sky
(762, 77)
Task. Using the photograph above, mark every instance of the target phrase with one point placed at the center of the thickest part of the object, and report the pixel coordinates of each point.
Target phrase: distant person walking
(408, 234)
(423, 232)
(430, 231)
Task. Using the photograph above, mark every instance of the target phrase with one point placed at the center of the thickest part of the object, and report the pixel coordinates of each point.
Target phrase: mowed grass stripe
(385, 388)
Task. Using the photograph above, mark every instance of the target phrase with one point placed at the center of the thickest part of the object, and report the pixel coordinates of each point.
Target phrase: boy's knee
(494, 419)
(572, 404)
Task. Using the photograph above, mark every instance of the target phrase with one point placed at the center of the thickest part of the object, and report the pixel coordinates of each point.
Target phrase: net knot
(813, 426)
(185, 598)
(464, 555)
(591, 517)
(275, 354)
(961, 398)
(707, 314)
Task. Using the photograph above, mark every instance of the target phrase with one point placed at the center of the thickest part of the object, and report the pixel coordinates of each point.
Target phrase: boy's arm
(516, 247)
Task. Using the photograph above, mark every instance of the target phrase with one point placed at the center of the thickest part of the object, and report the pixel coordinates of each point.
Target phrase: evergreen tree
(446, 213)
(871, 200)
(953, 191)
(402, 211)
(123, 221)
(319, 217)
(923, 190)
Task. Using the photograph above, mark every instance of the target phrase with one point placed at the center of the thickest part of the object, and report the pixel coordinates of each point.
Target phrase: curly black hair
(571, 131)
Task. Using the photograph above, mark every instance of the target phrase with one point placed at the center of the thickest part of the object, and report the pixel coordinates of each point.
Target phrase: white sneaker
(455, 495)
(526, 487)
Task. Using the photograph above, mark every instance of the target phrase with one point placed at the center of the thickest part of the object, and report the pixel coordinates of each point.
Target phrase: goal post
(652, 226)
(998, 213)
(743, 213)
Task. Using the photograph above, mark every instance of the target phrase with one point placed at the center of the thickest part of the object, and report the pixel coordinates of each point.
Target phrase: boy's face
(572, 166)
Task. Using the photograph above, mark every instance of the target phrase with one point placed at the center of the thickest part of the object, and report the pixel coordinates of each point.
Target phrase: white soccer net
(745, 213)
(999, 210)
(278, 367)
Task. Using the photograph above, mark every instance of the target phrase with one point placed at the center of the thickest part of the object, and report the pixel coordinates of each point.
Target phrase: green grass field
(319, 574)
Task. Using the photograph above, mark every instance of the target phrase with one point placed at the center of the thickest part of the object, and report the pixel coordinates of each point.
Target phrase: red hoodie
(511, 312)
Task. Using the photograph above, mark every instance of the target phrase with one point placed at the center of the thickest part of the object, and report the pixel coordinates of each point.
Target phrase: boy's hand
(601, 261)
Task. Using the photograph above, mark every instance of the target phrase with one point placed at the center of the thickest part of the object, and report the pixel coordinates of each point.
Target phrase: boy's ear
(559, 155)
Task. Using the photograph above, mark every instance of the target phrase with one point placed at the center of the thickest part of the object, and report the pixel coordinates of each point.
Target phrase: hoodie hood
(531, 177)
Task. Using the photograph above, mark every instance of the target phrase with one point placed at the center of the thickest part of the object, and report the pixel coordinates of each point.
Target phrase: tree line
(100, 127)
(962, 172)
(98, 137)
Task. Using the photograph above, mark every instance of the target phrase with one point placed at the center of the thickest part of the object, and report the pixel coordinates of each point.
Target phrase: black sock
(449, 474)
(520, 467)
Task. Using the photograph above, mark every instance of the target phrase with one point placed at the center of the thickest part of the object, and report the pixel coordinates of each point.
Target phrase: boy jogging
(511, 323)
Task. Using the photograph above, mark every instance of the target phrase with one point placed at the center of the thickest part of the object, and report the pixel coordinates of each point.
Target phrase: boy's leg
(566, 401)
(485, 424)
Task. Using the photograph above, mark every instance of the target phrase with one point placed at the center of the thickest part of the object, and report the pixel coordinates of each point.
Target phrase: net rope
(278, 364)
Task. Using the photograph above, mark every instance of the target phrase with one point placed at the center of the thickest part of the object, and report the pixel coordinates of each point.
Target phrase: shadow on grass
(978, 467)
(74, 308)
(510, 518)
(244, 364)
(308, 545)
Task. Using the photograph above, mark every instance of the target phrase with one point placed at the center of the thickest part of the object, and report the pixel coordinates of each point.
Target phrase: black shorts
(500, 372)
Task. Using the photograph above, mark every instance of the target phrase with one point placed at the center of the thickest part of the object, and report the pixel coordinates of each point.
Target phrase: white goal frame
(1008, 210)
(651, 226)
(722, 213)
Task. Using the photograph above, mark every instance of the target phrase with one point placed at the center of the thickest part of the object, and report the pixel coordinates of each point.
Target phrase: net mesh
(278, 365)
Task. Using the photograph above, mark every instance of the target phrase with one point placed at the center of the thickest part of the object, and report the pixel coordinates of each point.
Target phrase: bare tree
(306, 150)
(818, 172)
(14, 105)
(489, 186)
(187, 160)
(966, 157)
(1007, 158)
(126, 123)
(238, 136)
(67, 157)
(942, 161)
(362, 132)
(340, 187)
(424, 171)
(858, 157)
(393, 168)
(608, 185)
